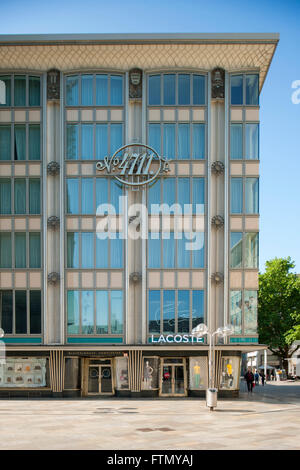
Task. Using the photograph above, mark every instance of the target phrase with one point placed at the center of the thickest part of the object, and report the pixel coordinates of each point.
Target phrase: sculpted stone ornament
(53, 85)
(218, 278)
(218, 168)
(53, 222)
(135, 84)
(53, 278)
(134, 165)
(135, 277)
(53, 168)
(217, 221)
(217, 83)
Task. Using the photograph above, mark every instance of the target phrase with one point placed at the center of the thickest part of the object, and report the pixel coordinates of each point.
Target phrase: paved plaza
(269, 419)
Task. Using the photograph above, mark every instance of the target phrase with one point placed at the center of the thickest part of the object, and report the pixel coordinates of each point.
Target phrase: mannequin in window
(148, 371)
(197, 371)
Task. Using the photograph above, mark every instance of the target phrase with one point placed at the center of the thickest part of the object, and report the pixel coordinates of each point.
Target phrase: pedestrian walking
(256, 377)
(262, 375)
(249, 377)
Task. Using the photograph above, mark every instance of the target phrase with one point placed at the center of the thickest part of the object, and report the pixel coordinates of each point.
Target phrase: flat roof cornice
(148, 38)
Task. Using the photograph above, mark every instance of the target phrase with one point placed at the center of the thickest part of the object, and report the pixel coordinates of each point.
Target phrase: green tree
(279, 308)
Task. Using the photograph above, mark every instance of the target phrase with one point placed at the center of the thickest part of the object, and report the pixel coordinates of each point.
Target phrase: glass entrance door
(105, 379)
(173, 380)
(100, 381)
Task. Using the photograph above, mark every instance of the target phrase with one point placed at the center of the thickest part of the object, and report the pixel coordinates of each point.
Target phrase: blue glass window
(169, 140)
(236, 249)
(154, 311)
(184, 193)
(116, 311)
(34, 91)
(236, 195)
(155, 137)
(169, 311)
(87, 312)
(102, 312)
(252, 89)
(101, 253)
(87, 90)
(154, 196)
(183, 254)
(87, 196)
(87, 250)
(154, 90)
(197, 307)
(87, 142)
(116, 90)
(101, 90)
(116, 252)
(183, 311)
(198, 195)
(198, 254)
(72, 196)
(168, 250)
(154, 250)
(116, 137)
(116, 191)
(34, 142)
(72, 95)
(236, 83)
(198, 141)
(236, 141)
(169, 89)
(73, 312)
(169, 191)
(5, 143)
(252, 141)
(101, 141)
(184, 93)
(72, 142)
(20, 90)
(183, 141)
(198, 89)
(101, 192)
(73, 250)
(5, 86)
(251, 196)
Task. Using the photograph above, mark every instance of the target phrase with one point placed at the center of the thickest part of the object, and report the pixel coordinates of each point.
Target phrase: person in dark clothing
(262, 376)
(249, 377)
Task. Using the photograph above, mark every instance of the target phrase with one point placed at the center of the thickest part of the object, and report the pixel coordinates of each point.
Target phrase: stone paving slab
(171, 424)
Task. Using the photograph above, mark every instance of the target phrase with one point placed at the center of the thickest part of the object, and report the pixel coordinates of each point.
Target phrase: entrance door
(100, 380)
(173, 380)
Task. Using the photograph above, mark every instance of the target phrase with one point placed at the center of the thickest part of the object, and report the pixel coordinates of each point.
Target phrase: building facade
(111, 145)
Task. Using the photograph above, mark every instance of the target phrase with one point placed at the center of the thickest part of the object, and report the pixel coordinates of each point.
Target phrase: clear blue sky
(280, 119)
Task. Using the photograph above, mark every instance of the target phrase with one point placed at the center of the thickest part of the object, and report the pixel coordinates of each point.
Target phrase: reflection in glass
(5, 98)
(154, 255)
(20, 250)
(116, 309)
(101, 253)
(87, 90)
(154, 311)
(116, 137)
(183, 311)
(34, 142)
(101, 312)
(236, 311)
(252, 141)
(101, 141)
(169, 89)
(34, 250)
(5, 143)
(236, 141)
(87, 250)
(34, 91)
(116, 252)
(72, 195)
(20, 142)
(87, 309)
(236, 249)
(20, 196)
(154, 90)
(87, 142)
(169, 140)
(236, 191)
(20, 90)
(197, 307)
(236, 83)
(198, 254)
(251, 196)
(116, 90)
(252, 89)
(5, 196)
(198, 195)
(169, 311)
(184, 96)
(35, 312)
(198, 141)
(154, 196)
(72, 91)
(155, 137)
(73, 250)
(101, 90)
(168, 250)
(183, 141)
(198, 89)
(73, 311)
(250, 312)
(87, 196)
(251, 250)
(72, 142)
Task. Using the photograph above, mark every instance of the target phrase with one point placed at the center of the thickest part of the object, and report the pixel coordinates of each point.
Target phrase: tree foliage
(279, 307)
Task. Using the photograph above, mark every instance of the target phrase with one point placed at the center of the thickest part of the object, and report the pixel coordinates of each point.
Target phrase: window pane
(236, 195)
(87, 142)
(169, 89)
(183, 311)
(116, 90)
(154, 250)
(21, 312)
(34, 250)
(6, 311)
(169, 191)
(116, 253)
(101, 253)
(34, 91)
(154, 89)
(183, 195)
(252, 141)
(87, 196)
(101, 141)
(20, 90)
(251, 250)
(35, 312)
(73, 312)
(251, 196)
(183, 254)
(236, 141)
(236, 311)
(154, 196)
(198, 141)
(87, 305)
(116, 137)
(72, 91)
(169, 140)
(20, 142)
(5, 143)
(87, 90)
(116, 311)
(87, 250)
(101, 312)
(73, 250)
(116, 191)
(168, 250)
(154, 311)
(72, 196)
(236, 249)
(5, 196)
(198, 307)
(183, 141)
(155, 137)
(169, 311)
(20, 250)
(101, 192)
(34, 142)
(198, 254)
(184, 96)
(20, 196)
(72, 142)
(252, 89)
(236, 89)
(198, 89)
(198, 195)
(250, 312)
(5, 91)
(34, 196)
(5, 250)
(101, 90)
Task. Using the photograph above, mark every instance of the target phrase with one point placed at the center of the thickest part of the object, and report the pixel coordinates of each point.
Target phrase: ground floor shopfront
(129, 372)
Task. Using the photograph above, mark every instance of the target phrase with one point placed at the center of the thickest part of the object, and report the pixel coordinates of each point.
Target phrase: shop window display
(198, 373)
(122, 373)
(230, 373)
(23, 373)
(150, 373)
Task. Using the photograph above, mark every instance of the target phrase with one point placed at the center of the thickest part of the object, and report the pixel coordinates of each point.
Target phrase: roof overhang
(231, 51)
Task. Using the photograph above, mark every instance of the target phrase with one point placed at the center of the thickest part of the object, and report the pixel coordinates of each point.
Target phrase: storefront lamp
(201, 330)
